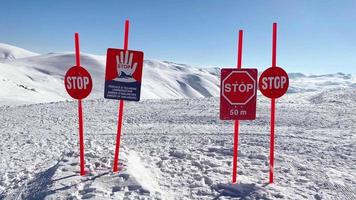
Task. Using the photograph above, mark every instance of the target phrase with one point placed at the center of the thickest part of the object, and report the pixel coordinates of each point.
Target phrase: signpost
(273, 83)
(238, 98)
(123, 81)
(78, 84)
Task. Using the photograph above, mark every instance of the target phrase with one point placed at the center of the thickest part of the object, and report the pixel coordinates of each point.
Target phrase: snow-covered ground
(179, 149)
(173, 144)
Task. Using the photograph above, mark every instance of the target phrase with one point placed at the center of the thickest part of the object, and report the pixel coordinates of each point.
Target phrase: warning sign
(78, 82)
(273, 82)
(238, 94)
(123, 74)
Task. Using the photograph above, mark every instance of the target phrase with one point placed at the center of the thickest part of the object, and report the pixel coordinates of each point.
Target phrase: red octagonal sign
(238, 94)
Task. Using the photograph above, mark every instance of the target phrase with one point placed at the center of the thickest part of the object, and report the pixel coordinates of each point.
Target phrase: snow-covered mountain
(9, 52)
(28, 77)
(39, 78)
(305, 83)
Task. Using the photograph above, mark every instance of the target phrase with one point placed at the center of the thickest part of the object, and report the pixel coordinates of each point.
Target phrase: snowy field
(179, 149)
(173, 146)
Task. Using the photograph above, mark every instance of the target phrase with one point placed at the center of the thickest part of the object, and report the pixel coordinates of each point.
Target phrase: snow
(9, 52)
(303, 83)
(33, 78)
(40, 77)
(179, 149)
(174, 146)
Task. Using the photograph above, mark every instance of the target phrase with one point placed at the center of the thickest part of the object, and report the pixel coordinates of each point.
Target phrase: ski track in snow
(179, 149)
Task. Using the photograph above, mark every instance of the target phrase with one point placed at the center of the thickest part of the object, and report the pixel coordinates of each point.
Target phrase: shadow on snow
(242, 190)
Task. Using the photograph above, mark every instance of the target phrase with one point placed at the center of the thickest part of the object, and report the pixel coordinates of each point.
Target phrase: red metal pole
(77, 50)
(271, 156)
(81, 138)
(80, 112)
(118, 136)
(239, 52)
(274, 45)
(126, 38)
(236, 125)
(273, 106)
(121, 109)
(236, 141)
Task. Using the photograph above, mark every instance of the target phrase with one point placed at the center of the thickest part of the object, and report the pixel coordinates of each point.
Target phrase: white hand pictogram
(125, 65)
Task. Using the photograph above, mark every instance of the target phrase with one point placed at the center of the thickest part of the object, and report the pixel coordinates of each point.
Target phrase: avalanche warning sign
(123, 74)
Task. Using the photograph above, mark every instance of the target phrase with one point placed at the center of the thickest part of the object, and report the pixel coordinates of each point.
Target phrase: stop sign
(238, 94)
(78, 82)
(273, 82)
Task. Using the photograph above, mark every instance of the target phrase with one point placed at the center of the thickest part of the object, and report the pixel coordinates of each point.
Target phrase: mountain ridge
(36, 78)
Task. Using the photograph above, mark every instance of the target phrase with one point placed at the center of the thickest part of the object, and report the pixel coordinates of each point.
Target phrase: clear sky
(313, 36)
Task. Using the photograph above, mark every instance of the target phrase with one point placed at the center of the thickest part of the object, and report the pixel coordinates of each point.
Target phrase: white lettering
(283, 81)
(277, 82)
(264, 83)
(227, 88)
(74, 82)
(237, 87)
(86, 82)
(69, 85)
(74, 85)
(274, 82)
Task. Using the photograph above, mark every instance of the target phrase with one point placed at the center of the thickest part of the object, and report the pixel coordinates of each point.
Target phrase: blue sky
(313, 36)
